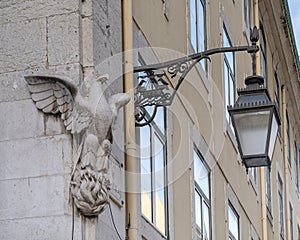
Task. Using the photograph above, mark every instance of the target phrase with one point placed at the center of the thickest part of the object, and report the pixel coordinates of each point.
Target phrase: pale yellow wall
(200, 104)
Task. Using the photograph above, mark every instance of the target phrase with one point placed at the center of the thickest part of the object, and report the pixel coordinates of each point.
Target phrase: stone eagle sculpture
(89, 117)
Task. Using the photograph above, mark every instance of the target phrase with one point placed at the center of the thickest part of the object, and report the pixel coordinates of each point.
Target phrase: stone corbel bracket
(89, 117)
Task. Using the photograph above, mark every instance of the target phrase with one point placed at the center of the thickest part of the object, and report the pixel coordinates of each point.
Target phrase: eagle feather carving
(89, 117)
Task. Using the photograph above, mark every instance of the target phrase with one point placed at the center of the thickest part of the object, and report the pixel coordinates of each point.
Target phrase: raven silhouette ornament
(89, 116)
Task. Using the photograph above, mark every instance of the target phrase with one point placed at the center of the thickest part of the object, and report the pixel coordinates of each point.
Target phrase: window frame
(230, 234)
(156, 132)
(203, 198)
(263, 55)
(277, 91)
(291, 221)
(269, 193)
(230, 79)
(197, 28)
(288, 137)
(247, 18)
(281, 206)
(296, 162)
(194, 24)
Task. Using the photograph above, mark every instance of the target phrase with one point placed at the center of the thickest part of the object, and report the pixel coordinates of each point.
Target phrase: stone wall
(60, 38)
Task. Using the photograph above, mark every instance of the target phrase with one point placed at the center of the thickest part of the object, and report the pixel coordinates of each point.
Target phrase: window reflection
(202, 198)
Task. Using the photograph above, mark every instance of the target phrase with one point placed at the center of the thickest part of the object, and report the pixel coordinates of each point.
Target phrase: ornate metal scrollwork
(153, 88)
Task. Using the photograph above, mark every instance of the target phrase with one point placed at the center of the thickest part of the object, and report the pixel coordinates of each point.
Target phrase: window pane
(233, 222)
(159, 173)
(160, 119)
(145, 172)
(226, 90)
(229, 78)
(201, 175)
(200, 24)
(193, 25)
(291, 222)
(198, 214)
(160, 210)
(280, 199)
(206, 222)
(231, 90)
(268, 189)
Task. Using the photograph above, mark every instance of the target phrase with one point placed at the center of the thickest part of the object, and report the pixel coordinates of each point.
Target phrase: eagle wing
(54, 95)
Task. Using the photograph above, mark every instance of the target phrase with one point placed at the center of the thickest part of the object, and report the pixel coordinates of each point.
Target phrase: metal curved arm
(153, 89)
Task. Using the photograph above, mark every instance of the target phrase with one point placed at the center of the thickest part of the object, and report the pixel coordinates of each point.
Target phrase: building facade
(179, 177)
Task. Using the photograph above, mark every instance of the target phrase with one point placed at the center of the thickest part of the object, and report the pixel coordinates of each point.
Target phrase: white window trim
(232, 198)
(247, 29)
(253, 233)
(197, 141)
(252, 181)
(279, 174)
(270, 211)
(226, 127)
(149, 230)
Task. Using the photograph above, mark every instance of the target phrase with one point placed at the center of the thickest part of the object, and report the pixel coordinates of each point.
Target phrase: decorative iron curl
(180, 67)
(173, 67)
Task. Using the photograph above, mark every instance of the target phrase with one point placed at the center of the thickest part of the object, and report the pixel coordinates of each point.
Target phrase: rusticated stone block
(44, 196)
(22, 45)
(46, 228)
(21, 10)
(20, 120)
(63, 39)
(13, 86)
(33, 157)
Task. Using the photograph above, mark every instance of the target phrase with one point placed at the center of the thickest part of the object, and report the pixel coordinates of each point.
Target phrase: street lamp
(255, 120)
(254, 117)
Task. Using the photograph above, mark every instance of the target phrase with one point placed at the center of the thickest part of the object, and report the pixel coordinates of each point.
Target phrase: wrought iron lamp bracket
(153, 87)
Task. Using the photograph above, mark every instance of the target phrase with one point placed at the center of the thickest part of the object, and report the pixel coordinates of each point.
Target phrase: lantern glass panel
(252, 130)
(274, 130)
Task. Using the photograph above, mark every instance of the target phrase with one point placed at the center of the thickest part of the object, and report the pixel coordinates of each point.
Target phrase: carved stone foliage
(89, 117)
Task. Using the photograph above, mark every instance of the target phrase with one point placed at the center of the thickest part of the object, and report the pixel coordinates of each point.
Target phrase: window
(253, 233)
(198, 26)
(233, 223)
(280, 202)
(247, 17)
(291, 222)
(253, 175)
(166, 8)
(268, 192)
(202, 198)
(263, 54)
(229, 74)
(288, 139)
(296, 166)
(153, 170)
(276, 90)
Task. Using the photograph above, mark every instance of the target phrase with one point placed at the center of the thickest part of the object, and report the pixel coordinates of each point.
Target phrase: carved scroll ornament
(89, 117)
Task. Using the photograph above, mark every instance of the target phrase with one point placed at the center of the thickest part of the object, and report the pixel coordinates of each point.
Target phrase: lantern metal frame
(255, 98)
